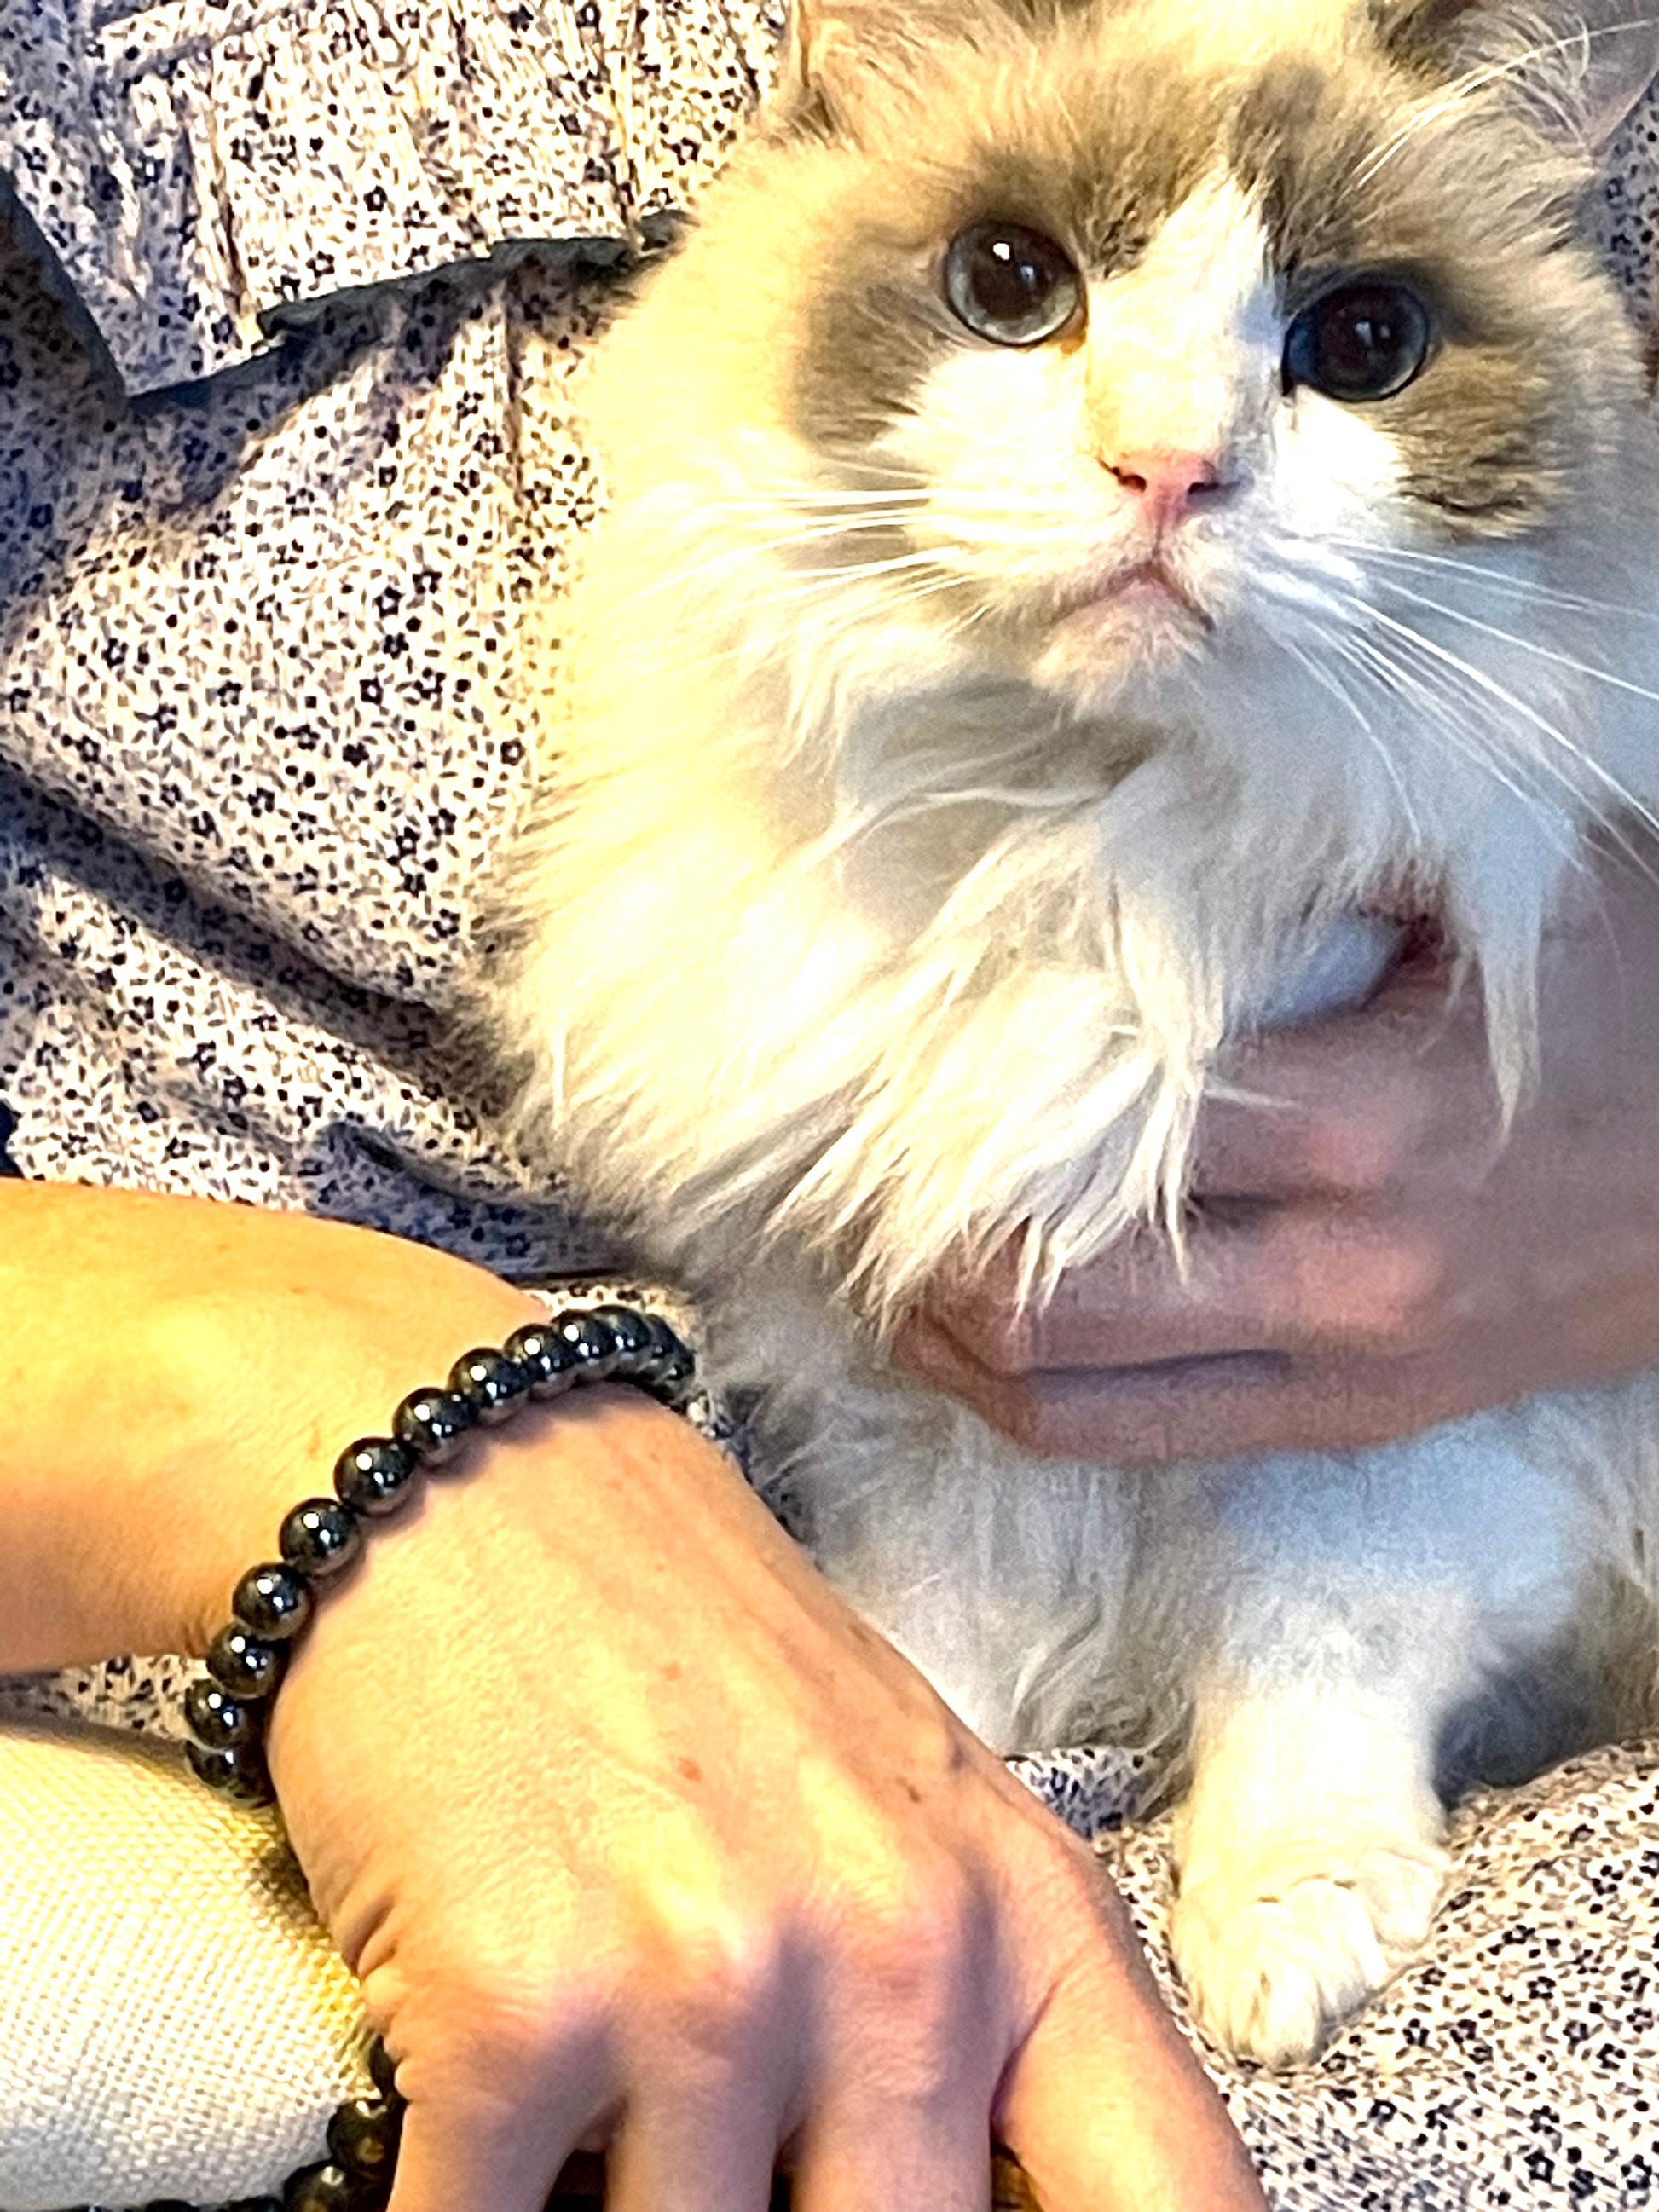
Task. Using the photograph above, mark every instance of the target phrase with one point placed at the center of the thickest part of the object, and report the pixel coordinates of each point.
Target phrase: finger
(1350, 1106)
(485, 2151)
(860, 2157)
(1305, 1277)
(698, 2154)
(1105, 2105)
(1229, 1408)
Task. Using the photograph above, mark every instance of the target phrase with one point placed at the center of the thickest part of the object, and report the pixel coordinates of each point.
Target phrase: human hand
(1368, 1255)
(634, 1834)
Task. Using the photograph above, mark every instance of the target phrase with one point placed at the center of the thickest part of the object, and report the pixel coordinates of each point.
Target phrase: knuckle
(926, 1980)
(918, 1923)
(719, 1964)
(504, 2021)
(1402, 1310)
(1008, 1345)
(1369, 1146)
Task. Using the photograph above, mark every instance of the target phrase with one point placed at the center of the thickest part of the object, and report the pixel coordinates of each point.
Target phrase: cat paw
(1275, 1960)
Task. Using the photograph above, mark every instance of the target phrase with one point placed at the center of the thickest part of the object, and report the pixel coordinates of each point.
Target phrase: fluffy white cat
(1105, 490)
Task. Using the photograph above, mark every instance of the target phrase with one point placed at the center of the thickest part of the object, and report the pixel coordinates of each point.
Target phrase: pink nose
(1170, 484)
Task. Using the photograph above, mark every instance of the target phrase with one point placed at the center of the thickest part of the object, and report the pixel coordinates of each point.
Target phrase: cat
(1103, 488)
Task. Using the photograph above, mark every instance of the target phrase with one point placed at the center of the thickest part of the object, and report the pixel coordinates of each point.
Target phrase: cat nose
(1171, 484)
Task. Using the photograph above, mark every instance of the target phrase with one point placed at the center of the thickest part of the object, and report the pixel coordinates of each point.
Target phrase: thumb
(1105, 2105)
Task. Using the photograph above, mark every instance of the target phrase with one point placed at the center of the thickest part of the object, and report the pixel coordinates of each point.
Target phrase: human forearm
(175, 1375)
(591, 1776)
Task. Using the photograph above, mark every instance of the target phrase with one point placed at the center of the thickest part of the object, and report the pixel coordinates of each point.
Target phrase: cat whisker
(1527, 644)
(1438, 710)
(1060, 536)
(1328, 681)
(720, 564)
(1483, 681)
(1481, 79)
(1496, 579)
(1504, 772)
(818, 503)
(815, 596)
(1463, 739)
(1386, 671)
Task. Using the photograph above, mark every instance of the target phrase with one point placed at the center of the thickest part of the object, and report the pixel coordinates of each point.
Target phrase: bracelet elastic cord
(228, 1710)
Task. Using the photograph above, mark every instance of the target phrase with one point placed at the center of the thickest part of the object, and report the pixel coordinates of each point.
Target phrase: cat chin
(1096, 652)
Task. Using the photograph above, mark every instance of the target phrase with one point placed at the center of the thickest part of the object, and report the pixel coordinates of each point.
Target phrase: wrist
(180, 1373)
(381, 1481)
(329, 1365)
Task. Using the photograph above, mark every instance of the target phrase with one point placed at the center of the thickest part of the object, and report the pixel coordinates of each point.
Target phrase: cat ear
(836, 46)
(821, 59)
(1620, 63)
(1588, 63)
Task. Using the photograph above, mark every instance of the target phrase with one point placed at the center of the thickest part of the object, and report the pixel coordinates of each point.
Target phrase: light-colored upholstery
(174, 2023)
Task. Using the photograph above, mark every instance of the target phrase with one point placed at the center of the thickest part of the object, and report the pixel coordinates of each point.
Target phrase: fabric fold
(199, 167)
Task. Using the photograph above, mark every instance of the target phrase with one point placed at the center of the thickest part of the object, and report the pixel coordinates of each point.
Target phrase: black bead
(595, 1346)
(383, 2071)
(362, 2137)
(238, 1773)
(168, 2204)
(320, 1537)
(493, 1384)
(218, 1720)
(255, 2204)
(375, 1475)
(673, 1368)
(324, 2189)
(247, 1666)
(630, 1333)
(272, 1602)
(432, 1423)
(549, 1362)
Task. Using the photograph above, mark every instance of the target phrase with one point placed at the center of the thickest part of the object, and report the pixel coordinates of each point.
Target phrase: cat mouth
(1151, 588)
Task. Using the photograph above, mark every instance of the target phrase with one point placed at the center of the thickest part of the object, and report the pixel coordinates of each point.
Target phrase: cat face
(1120, 337)
(1153, 322)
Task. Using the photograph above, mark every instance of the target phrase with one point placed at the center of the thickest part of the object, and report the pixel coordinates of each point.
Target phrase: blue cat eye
(1364, 340)
(1011, 284)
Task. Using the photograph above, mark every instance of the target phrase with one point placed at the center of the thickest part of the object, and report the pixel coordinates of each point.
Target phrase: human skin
(1369, 1253)
(635, 1835)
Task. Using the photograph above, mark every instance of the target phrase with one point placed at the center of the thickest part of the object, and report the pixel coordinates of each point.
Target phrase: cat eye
(1011, 285)
(1365, 340)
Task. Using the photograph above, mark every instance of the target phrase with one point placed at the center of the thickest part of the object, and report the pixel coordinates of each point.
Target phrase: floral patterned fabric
(288, 303)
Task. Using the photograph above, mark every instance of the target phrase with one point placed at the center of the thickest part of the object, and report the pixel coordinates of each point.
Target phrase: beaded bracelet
(228, 1711)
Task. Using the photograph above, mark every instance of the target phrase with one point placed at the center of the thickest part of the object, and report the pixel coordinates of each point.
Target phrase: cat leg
(1350, 1621)
(1309, 1857)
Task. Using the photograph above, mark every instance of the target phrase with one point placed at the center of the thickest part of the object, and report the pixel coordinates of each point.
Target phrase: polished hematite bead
(595, 1346)
(433, 1423)
(545, 1357)
(272, 1602)
(630, 1334)
(493, 1385)
(320, 1537)
(362, 2137)
(218, 1720)
(247, 1666)
(375, 1475)
(672, 1366)
(383, 2071)
(238, 1771)
(326, 2188)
